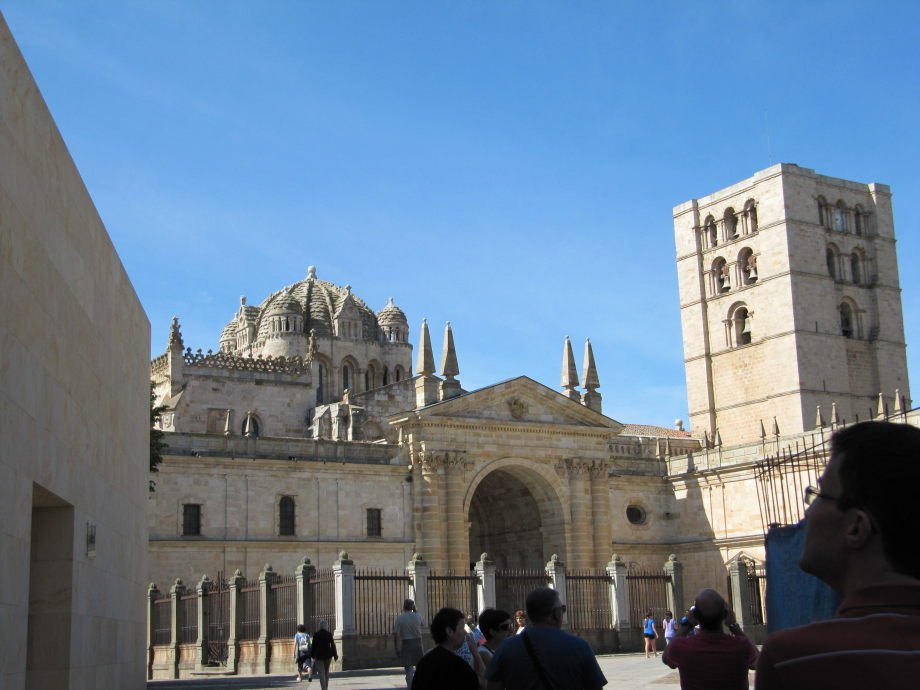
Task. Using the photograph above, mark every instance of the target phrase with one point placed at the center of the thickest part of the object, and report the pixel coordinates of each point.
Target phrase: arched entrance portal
(516, 518)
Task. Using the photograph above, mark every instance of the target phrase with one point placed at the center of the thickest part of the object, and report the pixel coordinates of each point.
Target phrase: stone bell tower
(789, 300)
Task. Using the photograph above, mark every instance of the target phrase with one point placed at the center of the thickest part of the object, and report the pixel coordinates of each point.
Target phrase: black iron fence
(588, 605)
(322, 600)
(161, 625)
(647, 592)
(453, 589)
(512, 585)
(756, 583)
(249, 604)
(217, 620)
(379, 597)
(283, 604)
(188, 618)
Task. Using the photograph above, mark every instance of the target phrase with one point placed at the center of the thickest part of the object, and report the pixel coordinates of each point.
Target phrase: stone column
(619, 603)
(266, 614)
(485, 572)
(739, 573)
(555, 570)
(675, 569)
(303, 573)
(233, 645)
(176, 591)
(345, 634)
(201, 643)
(582, 547)
(418, 571)
(600, 513)
(152, 595)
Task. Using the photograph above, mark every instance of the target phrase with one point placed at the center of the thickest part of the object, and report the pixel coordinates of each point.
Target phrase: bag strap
(531, 652)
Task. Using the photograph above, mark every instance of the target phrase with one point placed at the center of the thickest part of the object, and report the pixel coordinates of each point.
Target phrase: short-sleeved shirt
(670, 628)
(443, 670)
(711, 660)
(649, 626)
(408, 626)
(568, 662)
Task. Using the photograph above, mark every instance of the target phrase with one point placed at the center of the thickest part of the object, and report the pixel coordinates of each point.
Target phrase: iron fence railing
(588, 594)
(161, 624)
(188, 617)
(647, 592)
(379, 597)
(249, 613)
(454, 590)
(217, 620)
(512, 585)
(322, 600)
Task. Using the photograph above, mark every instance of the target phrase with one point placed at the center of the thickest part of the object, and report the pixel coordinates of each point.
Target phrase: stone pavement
(621, 670)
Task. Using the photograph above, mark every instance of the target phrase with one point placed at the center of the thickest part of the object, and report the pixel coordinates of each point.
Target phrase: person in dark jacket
(323, 651)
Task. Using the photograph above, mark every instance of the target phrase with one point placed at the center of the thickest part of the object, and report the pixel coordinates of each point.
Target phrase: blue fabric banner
(793, 596)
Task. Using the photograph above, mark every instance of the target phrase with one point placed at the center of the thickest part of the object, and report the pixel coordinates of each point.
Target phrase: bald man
(712, 659)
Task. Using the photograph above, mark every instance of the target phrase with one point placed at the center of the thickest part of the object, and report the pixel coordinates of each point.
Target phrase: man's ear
(859, 528)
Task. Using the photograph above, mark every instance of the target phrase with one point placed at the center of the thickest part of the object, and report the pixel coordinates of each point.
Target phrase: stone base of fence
(630, 640)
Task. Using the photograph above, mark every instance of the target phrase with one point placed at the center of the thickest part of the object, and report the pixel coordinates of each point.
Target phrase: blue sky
(508, 166)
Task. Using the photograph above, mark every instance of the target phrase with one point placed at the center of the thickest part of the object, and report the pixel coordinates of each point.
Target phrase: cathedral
(315, 427)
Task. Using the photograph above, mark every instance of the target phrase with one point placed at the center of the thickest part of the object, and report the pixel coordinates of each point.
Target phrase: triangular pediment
(519, 401)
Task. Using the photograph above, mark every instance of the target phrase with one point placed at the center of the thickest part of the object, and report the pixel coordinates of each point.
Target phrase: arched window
(286, 516)
(739, 325)
(831, 257)
(840, 217)
(855, 272)
(720, 276)
(846, 321)
(859, 219)
(750, 216)
(397, 373)
(251, 426)
(386, 376)
(320, 384)
(710, 232)
(748, 263)
(822, 212)
(731, 223)
(346, 377)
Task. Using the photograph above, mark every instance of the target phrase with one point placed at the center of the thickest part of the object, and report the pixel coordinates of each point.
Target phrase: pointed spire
(175, 336)
(775, 427)
(425, 364)
(819, 420)
(834, 420)
(248, 430)
(898, 403)
(228, 429)
(882, 412)
(717, 442)
(590, 398)
(450, 386)
(763, 430)
(569, 373)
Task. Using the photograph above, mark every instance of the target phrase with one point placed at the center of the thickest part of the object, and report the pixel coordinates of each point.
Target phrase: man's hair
(490, 619)
(540, 604)
(712, 622)
(444, 619)
(408, 605)
(301, 627)
(879, 470)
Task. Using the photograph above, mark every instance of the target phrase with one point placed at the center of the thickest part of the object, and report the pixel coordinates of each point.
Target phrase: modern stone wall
(74, 416)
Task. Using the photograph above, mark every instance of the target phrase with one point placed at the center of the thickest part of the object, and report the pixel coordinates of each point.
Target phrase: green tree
(157, 445)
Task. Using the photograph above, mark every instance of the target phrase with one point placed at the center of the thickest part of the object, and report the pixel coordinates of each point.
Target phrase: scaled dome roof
(392, 315)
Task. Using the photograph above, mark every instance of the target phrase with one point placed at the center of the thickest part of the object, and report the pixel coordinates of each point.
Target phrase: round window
(635, 514)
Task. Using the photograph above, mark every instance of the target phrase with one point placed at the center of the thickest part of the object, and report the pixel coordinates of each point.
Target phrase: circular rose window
(635, 514)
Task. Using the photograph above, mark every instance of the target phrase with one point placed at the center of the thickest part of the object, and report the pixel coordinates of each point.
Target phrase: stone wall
(74, 414)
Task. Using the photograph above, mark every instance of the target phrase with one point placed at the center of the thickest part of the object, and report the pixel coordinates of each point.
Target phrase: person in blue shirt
(651, 635)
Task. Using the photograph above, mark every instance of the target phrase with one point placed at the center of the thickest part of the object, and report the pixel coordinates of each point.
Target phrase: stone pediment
(519, 401)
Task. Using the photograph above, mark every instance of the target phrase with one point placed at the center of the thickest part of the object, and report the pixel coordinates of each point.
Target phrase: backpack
(303, 645)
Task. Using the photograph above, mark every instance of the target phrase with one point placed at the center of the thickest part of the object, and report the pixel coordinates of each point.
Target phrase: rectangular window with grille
(374, 526)
(191, 520)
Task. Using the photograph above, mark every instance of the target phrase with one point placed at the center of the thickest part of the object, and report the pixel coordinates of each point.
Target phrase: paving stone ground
(622, 671)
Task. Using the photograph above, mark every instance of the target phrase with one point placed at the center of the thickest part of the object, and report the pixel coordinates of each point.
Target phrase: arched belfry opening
(515, 516)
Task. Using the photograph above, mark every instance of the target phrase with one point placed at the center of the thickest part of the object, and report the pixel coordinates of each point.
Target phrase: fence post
(675, 569)
(485, 572)
(303, 573)
(343, 573)
(266, 615)
(418, 571)
(176, 591)
(233, 645)
(152, 595)
(555, 570)
(739, 572)
(201, 644)
(619, 593)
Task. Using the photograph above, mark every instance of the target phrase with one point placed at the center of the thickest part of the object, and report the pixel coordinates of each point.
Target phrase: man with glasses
(861, 528)
(544, 656)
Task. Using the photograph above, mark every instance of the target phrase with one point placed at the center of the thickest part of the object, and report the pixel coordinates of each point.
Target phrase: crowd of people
(859, 531)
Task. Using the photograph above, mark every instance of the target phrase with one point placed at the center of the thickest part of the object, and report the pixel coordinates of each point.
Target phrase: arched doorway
(516, 518)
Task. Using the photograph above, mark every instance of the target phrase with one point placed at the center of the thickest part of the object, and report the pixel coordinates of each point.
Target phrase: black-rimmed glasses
(812, 493)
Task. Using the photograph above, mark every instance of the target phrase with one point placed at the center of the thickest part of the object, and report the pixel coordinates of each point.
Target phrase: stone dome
(391, 315)
(318, 301)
